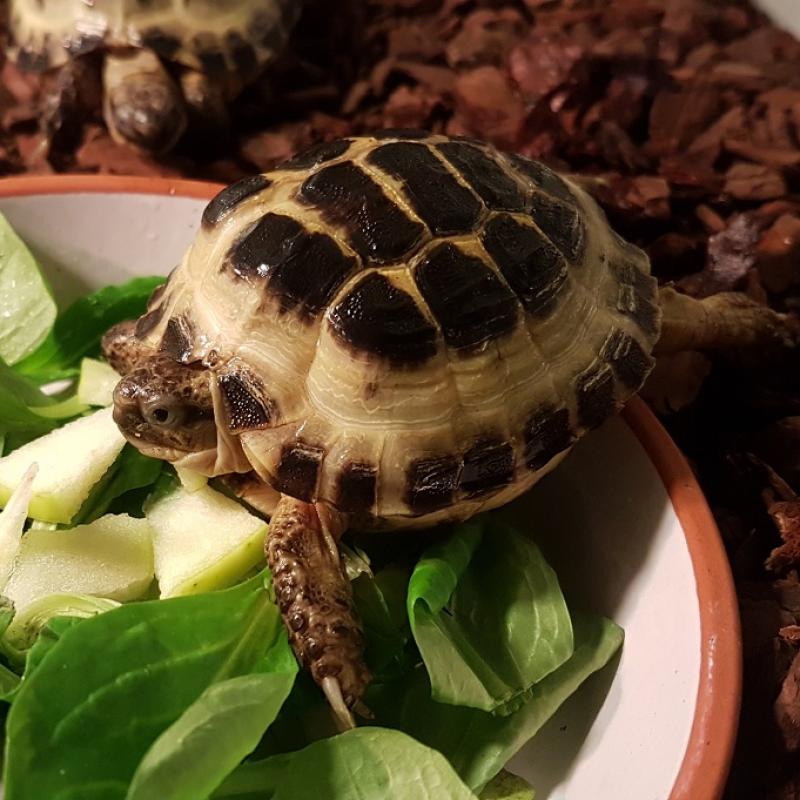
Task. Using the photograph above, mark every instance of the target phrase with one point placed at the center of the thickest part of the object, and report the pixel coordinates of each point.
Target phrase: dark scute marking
(488, 464)
(318, 154)
(377, 317)
(357, 487)
(468, 300)
(631, 364)
(594, 389)
(437, 198)
(244, 403)
(543, 178)
(636, 296)
(431, 482)
(212, 61)
(298, 470)
(492, 183)
(562, 224)
(303, 270)
(242, 53)
(160, 42)
(29, 60)
(177, 339)
(378, 230)
(547, 433)
(148, 321)
(401, 133)
(231, 196)
(533, 268)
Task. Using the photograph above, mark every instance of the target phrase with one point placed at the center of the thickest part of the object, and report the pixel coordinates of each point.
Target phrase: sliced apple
(203, 541)
(191, 480)
(111, 557)
(12, 522)
(97, 382)
(71, 460)
(26, 625)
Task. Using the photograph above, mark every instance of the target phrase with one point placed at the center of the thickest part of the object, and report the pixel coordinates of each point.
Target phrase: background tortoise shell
(215, 36)
(410, 327)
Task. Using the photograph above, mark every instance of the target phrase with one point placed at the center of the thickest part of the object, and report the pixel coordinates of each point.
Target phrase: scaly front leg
(316, 601)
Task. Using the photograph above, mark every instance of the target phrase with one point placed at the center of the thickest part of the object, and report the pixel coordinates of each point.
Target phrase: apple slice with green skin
(111, 557)
(191, 480)
(71, 460)
(97, 382)
(24, 629)
(12, 521)
(203, 541)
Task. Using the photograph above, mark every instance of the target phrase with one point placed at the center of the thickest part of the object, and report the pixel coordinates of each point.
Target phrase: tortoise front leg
(142, 105)
(316, 601)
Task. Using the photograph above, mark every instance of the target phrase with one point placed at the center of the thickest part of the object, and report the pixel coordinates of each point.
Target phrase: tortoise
(213, 48)
(385, 333)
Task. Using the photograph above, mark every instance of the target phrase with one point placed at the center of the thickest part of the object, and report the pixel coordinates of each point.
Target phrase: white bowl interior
(604, 520)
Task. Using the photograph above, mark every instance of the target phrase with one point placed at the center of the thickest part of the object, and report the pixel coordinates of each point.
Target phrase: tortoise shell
(409, 327)
(216, 36)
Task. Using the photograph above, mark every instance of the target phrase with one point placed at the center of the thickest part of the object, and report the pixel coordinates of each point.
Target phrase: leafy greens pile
(467, 633)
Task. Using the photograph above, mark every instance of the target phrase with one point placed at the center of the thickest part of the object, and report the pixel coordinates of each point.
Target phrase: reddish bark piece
(754, 182)
(488, 104)
(485, 37)
(542, 63)
(786, 516)
(100, 153)
(787, 708)
(778, 254)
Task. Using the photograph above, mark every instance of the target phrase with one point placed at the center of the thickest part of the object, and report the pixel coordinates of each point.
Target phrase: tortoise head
(165, 409)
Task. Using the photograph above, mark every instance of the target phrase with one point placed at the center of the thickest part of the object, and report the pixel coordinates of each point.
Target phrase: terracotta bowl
(622, 520)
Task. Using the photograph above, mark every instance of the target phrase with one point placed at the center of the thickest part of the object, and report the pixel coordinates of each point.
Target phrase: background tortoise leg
(73, 97)
(206, 103)
(142, 105)
(316, 601)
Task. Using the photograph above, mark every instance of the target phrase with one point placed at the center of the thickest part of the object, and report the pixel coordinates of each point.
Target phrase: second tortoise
(164, 62)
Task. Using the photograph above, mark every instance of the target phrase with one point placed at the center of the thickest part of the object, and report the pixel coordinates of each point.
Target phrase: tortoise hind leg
(72, 97)
(316, 601)
(206, 99)
(142, 105)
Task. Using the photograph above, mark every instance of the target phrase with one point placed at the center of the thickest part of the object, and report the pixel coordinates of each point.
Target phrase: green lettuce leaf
(361, 764)
(27, 310)
(19, 422)
(488, 616)
(506, 786)
(112, 684)
(192, 757)
(479, 744)
(77, 330)
(380, 601)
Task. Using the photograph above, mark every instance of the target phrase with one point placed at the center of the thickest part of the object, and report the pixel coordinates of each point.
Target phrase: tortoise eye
(162, 414)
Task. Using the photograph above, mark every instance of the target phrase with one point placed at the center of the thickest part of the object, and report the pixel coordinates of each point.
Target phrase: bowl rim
(709, 751)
